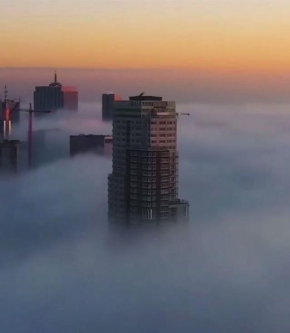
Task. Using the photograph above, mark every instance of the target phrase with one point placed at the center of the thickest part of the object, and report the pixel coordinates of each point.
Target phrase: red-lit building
(70, 98)
(9, 113)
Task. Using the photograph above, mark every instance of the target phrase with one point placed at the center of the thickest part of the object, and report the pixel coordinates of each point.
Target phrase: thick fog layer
(63, 268)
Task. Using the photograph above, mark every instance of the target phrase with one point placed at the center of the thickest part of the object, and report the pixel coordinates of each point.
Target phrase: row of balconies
(149, 173)
(135, 154)
(148, 192)
(151, 190)
(164, 191)
(148, 205)
(151, 160)
(149, 198)
(149, 186)
(149, 167)
(148, 180)
(164, 179)
(135, 191)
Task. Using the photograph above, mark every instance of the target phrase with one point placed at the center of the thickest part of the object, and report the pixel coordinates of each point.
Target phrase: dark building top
(108, 101)
(55, 96)
(9, 143)
(142, 97)
(87, 143)
(48, 98)
(9, 154)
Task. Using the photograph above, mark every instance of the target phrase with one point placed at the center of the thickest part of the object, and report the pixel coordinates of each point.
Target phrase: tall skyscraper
(143, 185)
(55, 96)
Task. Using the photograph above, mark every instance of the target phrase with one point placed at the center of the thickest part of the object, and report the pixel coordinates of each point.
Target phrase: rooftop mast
(5, 94)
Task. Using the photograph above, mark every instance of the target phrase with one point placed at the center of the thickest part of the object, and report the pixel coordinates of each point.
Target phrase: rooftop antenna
(55, 77)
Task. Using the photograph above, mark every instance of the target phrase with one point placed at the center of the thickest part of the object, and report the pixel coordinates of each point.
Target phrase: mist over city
(144, 166)
(64, 265)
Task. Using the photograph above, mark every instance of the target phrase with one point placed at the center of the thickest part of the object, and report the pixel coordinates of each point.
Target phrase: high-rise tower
(55, 96)
(144, 183)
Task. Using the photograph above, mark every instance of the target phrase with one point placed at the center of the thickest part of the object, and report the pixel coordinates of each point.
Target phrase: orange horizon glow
(225, 35)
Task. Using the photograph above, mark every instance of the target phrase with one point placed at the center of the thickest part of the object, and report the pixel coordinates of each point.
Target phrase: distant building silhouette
(9, 155)
(108, 101)
(55, 96)
(80, 144)
(143, 186)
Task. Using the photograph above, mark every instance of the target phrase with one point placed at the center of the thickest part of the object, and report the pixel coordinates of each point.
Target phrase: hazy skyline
(64, 269)
(184, 86)
(225, 35)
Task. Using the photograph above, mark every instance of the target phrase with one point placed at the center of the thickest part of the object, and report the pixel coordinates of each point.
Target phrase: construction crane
(30, 129)
(183, 114)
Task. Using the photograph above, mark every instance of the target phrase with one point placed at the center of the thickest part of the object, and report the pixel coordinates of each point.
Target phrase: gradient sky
(249, 35)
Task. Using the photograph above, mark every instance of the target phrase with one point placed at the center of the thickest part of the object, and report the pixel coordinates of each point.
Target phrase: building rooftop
(7, 143)
(143, 97)
(55, 83)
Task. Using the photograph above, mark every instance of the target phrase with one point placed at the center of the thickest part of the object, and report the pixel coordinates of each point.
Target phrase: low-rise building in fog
(9, 155)
(80, 144)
